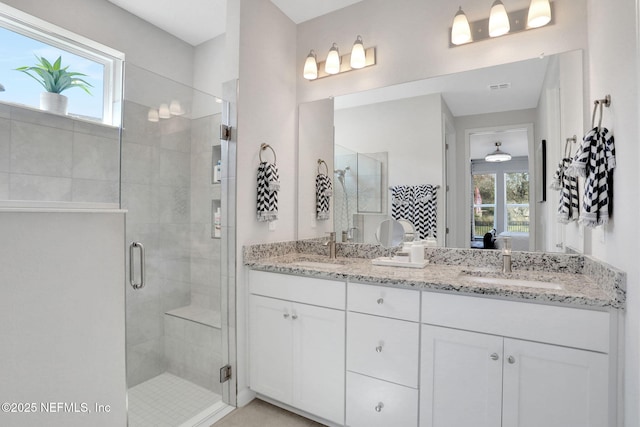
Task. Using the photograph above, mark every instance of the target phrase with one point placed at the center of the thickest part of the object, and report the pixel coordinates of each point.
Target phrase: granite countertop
(595, 289)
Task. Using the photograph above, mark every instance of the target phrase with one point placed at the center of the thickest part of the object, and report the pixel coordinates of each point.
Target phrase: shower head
(341, 172)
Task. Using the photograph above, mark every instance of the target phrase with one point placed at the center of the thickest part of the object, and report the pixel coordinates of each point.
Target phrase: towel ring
(599, 102)
(567, 145)
(263, 147)
(320, 163)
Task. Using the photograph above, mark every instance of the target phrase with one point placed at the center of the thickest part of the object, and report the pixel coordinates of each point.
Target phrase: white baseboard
(244, 397)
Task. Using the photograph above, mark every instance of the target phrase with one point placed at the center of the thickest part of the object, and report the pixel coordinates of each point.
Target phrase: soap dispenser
(431, 241)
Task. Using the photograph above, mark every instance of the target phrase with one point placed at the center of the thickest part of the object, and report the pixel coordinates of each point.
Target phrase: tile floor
(167, 401)
(262, 414)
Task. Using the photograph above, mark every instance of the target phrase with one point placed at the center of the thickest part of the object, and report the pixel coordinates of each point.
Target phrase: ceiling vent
(500, 86)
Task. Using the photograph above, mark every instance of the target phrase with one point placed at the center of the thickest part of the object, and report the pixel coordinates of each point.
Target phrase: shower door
(175, 188)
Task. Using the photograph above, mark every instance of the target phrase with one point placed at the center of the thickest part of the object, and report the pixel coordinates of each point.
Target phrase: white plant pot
(53, 103)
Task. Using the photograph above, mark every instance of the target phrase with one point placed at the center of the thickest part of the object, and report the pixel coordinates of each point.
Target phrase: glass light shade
(163, 111)
(498, 20)
(332, 64)
(539, 13)
(460, 30)
(498, 155)
(175, 108)
(358, 56)
(153, 116)
(310, 67)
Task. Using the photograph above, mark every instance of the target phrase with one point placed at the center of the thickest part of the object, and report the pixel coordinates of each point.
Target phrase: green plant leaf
(53, 77)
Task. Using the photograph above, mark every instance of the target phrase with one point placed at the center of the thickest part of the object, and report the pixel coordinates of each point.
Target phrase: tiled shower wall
(47, 157)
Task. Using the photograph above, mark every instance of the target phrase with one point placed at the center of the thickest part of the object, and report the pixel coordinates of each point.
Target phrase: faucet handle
(332, 236)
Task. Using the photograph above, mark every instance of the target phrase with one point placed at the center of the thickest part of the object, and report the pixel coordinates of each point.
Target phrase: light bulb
(539, 13)
(175, 108)
(332, 64)
(153, 116)
(358, 56)
(310, 67)
(498, 20)
(460, 30)
(163, 111)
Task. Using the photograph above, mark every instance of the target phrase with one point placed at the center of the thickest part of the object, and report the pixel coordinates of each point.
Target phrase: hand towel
(425, 210)
(402, 202)
(268, 187)
(595, 160)
(324, 190)
(568, 203)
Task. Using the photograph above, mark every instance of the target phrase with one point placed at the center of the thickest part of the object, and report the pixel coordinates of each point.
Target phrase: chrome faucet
(506, 255)
(331, 243)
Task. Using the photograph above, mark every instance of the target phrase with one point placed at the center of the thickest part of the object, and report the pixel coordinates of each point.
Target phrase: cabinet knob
(294, 317)
(495, 356)
(511, 360)
(379, 407)
(285, 315)
(379, 349)
(380, 301)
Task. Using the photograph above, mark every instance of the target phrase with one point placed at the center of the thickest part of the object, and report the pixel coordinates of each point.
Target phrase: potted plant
(55, 79)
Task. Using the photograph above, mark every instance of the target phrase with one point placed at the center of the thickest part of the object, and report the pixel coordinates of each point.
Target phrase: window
(22, 37)
(484, 204)
(517, 201)
(500, 197)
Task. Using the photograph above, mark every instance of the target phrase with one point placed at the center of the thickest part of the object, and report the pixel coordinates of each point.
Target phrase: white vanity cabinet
(383, 336)
(491, 363)
(297, 342)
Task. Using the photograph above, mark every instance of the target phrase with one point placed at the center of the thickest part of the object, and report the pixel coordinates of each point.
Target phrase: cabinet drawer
(383, 348)
(384, 301)
(377, 403)
(570, 327)
(309, 290)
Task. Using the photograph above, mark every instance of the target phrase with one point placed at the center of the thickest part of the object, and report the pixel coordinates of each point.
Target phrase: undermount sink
(491, 279)
(331, 265)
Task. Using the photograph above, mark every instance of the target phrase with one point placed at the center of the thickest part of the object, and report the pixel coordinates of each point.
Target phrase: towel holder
(320, 163)
(263, 147)
(567, 145)
(606, 101)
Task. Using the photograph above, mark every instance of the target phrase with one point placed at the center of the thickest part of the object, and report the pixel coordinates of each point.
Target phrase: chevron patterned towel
(425, 209)
(324, 191)
(402, 202)
(595, 160)
(268, 186)
(568, 204)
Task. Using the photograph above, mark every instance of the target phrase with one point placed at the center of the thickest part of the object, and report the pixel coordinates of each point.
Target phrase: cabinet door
(270, 343)
(461, 378)
(318, 361)
(552, 386)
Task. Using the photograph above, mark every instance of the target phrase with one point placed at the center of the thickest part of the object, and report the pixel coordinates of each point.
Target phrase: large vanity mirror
(417, 150)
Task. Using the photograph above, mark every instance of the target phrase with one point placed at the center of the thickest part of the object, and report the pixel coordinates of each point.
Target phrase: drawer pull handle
(379, 349)
(511, 360)
(285, 315)
(294, 317)
(380, 301)
(495, 356)
(379, 407)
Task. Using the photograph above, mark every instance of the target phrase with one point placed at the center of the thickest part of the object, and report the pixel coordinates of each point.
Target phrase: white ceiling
(514, 142)
(196, 21)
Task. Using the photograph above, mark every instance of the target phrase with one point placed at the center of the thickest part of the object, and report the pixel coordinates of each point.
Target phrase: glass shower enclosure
(175, 187)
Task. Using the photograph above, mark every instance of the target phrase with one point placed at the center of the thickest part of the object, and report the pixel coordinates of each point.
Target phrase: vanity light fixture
(359, 57)
(332, 64)
(539, 13)
(153, 115)
(175, 108)
(311, 66)
(163, 111)
(498, 155)
(499, 22)
(460, 30)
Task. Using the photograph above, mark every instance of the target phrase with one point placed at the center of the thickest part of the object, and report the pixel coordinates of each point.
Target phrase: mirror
(390, 233)
(400, 133)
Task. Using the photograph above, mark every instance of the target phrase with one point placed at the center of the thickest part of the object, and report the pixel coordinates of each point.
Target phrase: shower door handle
(132, 280)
